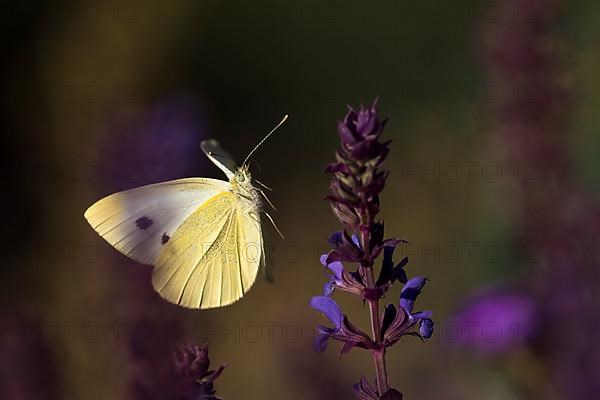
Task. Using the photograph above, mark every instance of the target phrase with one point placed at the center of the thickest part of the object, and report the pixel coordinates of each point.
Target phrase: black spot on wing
(144, 223)
(165, 238)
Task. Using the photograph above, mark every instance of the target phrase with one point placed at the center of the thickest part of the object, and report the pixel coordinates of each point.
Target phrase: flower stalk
(379, 353)
(355, 187)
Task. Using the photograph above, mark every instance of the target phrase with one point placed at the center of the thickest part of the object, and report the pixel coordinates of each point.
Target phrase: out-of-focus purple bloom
(559, 215)
(497, 321)
(28, 367)
(150, 344)
(159, 143)
(192, 366)
(162, 144)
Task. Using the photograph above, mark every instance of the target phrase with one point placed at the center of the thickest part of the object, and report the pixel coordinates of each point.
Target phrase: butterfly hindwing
(141, 221)
(213, 258)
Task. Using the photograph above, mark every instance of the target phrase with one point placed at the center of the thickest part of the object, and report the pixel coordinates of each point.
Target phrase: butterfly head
(241, 181)
(242, 175)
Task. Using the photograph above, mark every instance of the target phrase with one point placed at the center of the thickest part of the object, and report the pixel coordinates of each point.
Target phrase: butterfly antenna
(267, 199)
(265, 138)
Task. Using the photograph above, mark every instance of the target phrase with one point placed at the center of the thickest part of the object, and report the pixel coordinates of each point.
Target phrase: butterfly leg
(253, 215)
(274, 225)
(255, 218)
(266, 198)
(263, 185)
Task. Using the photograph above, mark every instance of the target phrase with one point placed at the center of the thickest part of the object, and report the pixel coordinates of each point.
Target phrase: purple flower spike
(357, 181)
(192, 366)
(360, 131)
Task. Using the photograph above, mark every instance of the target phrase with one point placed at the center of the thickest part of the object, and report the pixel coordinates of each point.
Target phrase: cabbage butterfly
(202, 235)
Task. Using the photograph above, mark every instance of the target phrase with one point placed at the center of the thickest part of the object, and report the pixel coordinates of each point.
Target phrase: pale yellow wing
(141, 221)
(213, 258)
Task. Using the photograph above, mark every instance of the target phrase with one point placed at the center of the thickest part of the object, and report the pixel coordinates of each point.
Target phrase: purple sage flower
(355, 187)
(342, 329)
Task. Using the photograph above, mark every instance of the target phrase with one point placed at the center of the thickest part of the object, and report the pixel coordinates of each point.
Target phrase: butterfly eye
(242, 178)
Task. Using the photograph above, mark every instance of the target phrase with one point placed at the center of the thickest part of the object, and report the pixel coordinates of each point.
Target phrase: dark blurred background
(492, 111)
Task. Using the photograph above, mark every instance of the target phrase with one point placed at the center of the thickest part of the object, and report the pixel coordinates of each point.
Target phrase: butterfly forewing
(139, 222)
(219, 157)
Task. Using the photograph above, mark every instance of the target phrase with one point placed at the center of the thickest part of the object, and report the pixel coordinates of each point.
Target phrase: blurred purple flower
(497, 321)
(192, 365)
(28, 366)
(163, 144)
(559, 215)
(160, 143)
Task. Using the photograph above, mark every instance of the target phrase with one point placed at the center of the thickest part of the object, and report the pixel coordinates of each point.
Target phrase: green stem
(379, 354)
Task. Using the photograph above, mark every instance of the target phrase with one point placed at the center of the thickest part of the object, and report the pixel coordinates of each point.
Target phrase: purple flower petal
(364, 391)
(328, 307)
(323, 259)
(422, 314)
(328, 289)
(337, 268)
(410, 292)
(426, 328)
(346, 134)
(336, 238)
(321, 338)
(356, 241)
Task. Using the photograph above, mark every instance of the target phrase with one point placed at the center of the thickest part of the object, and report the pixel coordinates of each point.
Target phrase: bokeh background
(492, 111)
